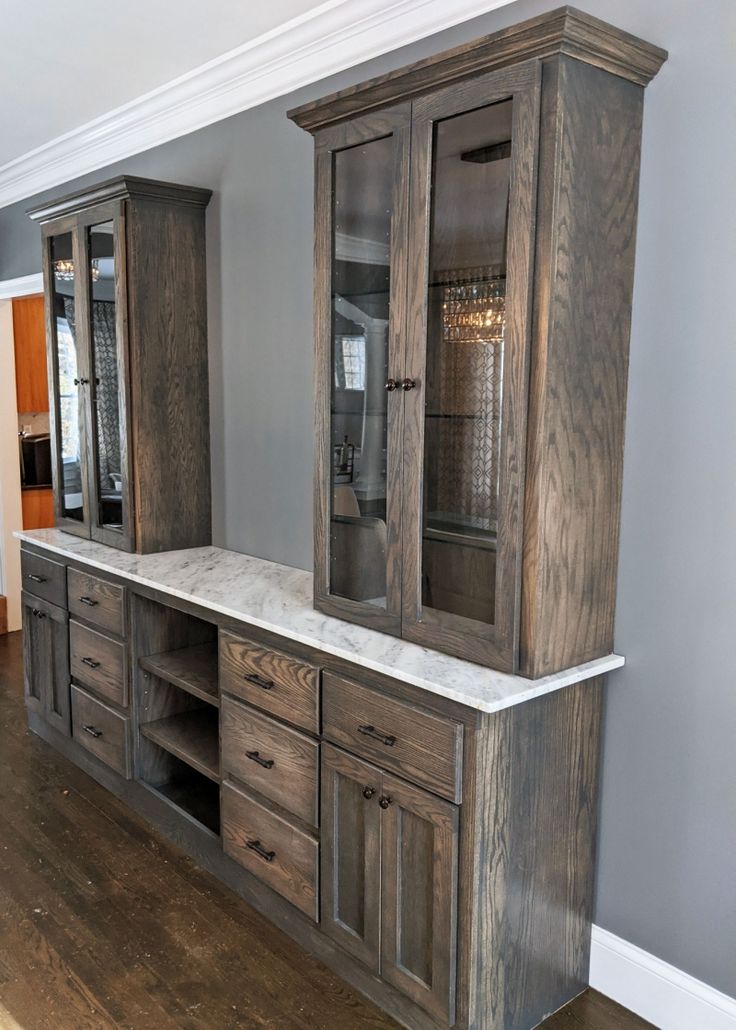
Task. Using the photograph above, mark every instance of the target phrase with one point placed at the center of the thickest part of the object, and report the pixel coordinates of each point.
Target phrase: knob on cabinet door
(408, 384)
(391, 385)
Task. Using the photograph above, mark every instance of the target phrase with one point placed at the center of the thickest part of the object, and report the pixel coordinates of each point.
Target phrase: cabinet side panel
(167, 319)
(586, 227)
(537, 806)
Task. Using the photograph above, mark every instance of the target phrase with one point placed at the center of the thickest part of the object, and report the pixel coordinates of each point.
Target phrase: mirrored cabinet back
(126, 326)
(475, 227)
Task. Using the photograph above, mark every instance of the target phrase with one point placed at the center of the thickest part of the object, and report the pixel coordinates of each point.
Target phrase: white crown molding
(655, 990)
(330, 38)
(24, 286)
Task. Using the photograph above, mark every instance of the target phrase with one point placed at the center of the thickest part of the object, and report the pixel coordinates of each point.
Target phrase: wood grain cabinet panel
(46, 661)
(29, 339)
(43, 577)
(97, 601)
(99, 663)
(101, 731)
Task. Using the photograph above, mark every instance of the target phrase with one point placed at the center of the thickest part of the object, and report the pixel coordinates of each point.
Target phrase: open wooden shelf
(191, 736)
(195, 795)
(193, 669)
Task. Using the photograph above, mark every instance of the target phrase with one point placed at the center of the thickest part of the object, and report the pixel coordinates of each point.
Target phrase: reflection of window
(68, 402)
(350, 362)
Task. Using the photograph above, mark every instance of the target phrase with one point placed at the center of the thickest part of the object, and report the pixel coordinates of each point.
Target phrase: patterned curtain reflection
(106, 372)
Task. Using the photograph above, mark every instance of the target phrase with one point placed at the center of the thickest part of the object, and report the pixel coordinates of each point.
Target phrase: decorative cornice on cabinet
(338, 34)
(563, 31)
(121, 188)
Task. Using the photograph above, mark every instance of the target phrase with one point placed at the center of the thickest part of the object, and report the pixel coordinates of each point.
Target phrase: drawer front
(274, 682)
(44, 578)
(278, 762)
(271, 848)
(97, 601)
(420, 746)
(101, 731)
(98, 662)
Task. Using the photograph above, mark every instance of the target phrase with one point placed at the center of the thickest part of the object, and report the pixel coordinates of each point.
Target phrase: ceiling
(64, 65)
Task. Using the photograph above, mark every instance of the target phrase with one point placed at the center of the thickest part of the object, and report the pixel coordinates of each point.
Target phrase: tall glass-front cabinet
(124, 278)
(475, 218)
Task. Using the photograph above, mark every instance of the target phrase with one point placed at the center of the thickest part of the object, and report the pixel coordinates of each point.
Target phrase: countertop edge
(527, 689)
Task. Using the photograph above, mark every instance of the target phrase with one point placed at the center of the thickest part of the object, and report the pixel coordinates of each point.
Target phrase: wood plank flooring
(105, 925)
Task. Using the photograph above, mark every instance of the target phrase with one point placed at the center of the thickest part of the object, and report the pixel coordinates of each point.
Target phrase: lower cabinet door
(419, 896)
(46, 661)
(351, 854)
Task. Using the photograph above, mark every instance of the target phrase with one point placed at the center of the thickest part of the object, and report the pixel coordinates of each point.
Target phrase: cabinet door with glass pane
(361, 225)
(69, 376)
(470, 260)
(103, 245)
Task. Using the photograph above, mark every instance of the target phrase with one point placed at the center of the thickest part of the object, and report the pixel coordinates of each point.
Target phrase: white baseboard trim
(329, 38)
(24, 286)
(655, 990)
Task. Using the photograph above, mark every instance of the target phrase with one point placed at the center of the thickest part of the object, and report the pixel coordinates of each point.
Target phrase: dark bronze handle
(255, 845)
(38, 613)
(368, 792)
(91, 662)
(81, 382)
(92, 731)
(258, 680)
(371, 731)
(408, 384)
(385, 801)
(391, 385)
(254, 756)
(35, 578)
(88, 601)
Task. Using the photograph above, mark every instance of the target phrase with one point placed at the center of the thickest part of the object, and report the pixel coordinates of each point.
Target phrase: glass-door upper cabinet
(70, 376)
(362, 213)
(473, 161)
(109, 479)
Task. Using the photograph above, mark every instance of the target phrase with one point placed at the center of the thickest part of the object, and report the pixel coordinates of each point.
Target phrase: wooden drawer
(98, 662)
(101, 731)
(283, 686)
(417, 744)
(44, 578)
(271, 848)
(97, 601)
(278, 762)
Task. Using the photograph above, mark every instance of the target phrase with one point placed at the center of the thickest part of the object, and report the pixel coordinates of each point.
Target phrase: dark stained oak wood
(101, 730)
(563, 31)
(589, 181)
(97, 600)
(46, 661)
(351, 855)
(191, 736)
(274, 850)
(290, 775)
(99, 663)
(43, 577)
(419, 865)
(193, 669)
(405, 739)
(270, 680)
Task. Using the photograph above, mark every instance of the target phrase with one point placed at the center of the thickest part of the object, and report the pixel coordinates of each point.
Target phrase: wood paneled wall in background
(38, 508)
(29, 332)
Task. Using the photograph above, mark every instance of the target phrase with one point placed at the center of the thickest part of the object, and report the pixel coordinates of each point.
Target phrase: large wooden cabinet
(475, 223)
(124, 274)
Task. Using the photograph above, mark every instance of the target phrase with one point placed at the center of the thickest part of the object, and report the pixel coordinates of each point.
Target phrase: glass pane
(361, 276)
(101, 251)
(70, 472)
(465, 351)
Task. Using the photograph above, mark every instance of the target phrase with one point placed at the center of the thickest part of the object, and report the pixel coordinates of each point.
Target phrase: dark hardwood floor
(103, 924)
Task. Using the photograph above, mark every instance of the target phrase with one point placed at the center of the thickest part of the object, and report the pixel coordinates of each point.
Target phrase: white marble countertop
(278, 598)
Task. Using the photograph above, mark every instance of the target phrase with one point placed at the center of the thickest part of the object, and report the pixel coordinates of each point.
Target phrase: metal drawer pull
(385, 801)
(368, 792)
(91, 662)
(92, 731)
(35, 578)
(38, 613)
(88, 601)
(371, 731)
(258, 680)
(255, 845)
(254, 756)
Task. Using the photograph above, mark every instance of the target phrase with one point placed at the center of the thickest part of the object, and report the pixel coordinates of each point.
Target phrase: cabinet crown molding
(124, 187)
(563, 31)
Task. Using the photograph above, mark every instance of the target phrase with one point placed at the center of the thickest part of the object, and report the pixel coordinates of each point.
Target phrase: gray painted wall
(668, 839)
